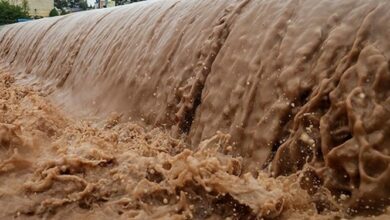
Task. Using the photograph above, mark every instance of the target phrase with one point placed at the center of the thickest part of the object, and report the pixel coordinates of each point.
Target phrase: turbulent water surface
(198, 109)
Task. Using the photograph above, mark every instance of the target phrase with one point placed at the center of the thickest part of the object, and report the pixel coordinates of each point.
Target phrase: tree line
(10, 13)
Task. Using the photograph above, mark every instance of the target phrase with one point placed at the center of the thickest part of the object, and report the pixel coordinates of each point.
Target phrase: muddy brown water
(198, 109)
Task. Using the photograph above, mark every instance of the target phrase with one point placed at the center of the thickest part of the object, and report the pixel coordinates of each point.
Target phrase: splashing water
(186, 109)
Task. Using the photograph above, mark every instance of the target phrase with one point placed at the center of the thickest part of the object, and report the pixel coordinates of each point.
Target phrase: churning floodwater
(198, 109)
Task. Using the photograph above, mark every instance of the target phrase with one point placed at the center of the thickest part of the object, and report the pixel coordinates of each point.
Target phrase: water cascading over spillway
(293, 82)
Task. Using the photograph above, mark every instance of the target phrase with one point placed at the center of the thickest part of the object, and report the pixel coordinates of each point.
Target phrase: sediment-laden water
(198, 109)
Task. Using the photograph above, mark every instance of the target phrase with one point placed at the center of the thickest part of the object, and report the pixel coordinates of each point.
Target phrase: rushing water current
(251, 108)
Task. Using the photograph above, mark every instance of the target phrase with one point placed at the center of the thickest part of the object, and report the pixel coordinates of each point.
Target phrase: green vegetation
(63, 11)
(61, 5)
(10, 13)
(83, 5)
(53, 13)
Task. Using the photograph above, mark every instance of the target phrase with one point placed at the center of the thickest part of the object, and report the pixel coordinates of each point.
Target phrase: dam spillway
(294, 83)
